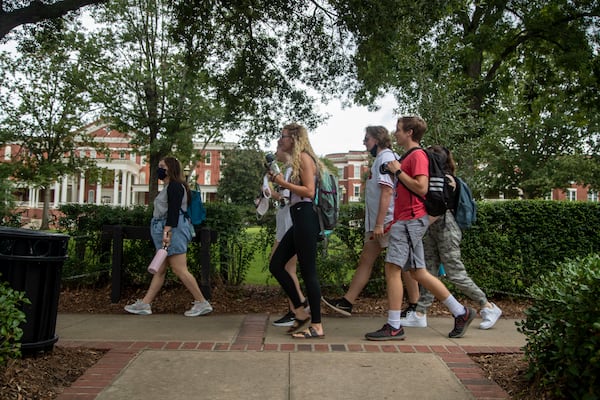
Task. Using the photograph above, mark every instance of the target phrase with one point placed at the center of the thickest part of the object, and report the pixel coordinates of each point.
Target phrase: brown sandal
(310, 333)
(298, 324)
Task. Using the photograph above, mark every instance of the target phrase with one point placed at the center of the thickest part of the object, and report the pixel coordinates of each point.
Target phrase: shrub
(11, 318)
(562, 330)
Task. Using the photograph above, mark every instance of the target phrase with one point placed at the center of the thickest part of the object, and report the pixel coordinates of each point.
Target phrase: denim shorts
(406, 243)
(180, 235)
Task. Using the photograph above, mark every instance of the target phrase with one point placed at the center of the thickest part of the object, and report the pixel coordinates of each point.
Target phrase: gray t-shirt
(161, 203)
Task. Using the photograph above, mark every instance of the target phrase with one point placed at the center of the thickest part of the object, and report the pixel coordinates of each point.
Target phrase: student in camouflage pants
(442, 245)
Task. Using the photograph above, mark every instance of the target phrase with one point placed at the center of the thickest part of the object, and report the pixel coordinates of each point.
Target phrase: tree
(42, 108)
(465, 65)
(15, 13)
(222, 66)
(242, 175)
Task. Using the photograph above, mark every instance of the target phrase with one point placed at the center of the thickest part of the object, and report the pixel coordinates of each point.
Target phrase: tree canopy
(511, 86)
(478, 70)
(43, 109)
(169, 71)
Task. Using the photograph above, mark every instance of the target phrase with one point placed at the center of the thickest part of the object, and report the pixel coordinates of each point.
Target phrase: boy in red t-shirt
(405, 251)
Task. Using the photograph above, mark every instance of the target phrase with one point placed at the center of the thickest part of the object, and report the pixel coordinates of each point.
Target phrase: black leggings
(300, 240)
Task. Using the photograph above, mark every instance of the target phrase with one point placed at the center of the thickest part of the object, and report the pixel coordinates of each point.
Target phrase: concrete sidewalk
(244, 357)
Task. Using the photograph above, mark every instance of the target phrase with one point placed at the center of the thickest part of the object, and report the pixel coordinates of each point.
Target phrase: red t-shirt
(406, 204)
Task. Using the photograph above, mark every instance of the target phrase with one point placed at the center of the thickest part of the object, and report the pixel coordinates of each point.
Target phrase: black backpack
(439, 194)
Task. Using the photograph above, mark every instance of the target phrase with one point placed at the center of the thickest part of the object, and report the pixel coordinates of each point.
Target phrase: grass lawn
(258, 273)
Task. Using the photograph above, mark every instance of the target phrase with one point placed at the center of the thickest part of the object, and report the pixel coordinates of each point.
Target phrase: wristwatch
(398, 172)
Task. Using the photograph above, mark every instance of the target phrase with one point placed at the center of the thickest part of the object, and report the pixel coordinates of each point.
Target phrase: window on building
(572, 194)
(592, 196)
(548, 196)
(356, 171)
(341, 172)
(207, 158)
(91, 196)
(122, 155)
(7, 152)
(356, 189)
(93, 154)
(207, 177)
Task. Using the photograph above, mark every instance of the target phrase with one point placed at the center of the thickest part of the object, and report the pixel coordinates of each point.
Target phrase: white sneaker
(414, 320)
(199, 308)
(139, 308)
(490, 316)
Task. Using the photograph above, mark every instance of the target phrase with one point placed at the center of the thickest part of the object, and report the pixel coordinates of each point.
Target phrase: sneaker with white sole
(414, 320)
(287, 320)
(490, 316)
(388, 332)
(340, 305)
(462, 322)
(199, 308)
(139, 308)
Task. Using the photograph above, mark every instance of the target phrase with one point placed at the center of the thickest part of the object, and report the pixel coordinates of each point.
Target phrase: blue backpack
(465, 209)
(196, 210)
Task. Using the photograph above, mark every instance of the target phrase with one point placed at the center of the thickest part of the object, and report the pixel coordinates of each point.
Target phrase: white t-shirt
(373, 190)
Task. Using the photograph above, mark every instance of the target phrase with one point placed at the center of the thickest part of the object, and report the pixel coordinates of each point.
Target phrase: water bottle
(271, 164)
(157, 261)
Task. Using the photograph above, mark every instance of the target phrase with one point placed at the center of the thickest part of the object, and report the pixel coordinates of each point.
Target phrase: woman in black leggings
(301, 238)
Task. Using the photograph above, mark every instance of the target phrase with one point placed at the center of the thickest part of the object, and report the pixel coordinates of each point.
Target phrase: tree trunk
(45, 209)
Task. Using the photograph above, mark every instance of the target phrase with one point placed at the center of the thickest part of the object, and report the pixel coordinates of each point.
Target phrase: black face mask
(161, 173)
(373, 151)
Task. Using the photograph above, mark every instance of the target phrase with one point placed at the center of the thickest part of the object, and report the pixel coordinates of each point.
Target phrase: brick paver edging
(251, 338)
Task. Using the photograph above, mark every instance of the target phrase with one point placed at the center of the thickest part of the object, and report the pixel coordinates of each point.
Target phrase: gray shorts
(406, 243)
(180, 235)
(382, 241)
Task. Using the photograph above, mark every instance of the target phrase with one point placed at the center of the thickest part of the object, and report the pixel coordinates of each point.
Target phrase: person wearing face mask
(171, 229)
(379, 213)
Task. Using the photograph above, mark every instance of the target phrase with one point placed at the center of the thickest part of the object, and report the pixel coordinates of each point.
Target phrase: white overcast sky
(345, 128)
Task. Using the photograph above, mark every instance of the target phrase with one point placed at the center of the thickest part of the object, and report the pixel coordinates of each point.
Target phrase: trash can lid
(29, 233)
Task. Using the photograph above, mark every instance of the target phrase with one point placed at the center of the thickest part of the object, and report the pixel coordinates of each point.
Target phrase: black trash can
(31, 262)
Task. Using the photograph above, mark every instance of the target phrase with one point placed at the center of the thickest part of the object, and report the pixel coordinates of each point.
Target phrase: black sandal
(298, 324)
(310, 333)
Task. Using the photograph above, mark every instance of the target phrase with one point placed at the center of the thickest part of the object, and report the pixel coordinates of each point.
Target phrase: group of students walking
(395, 219)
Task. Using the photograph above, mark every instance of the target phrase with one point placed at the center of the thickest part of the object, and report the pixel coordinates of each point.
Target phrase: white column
(116, 189)
(35, 197)
(31, 196)
(134, 197)
(63, 189)
(56, 194)
(124, 186)
(81, 199)
(98, 193)
(129, 188)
